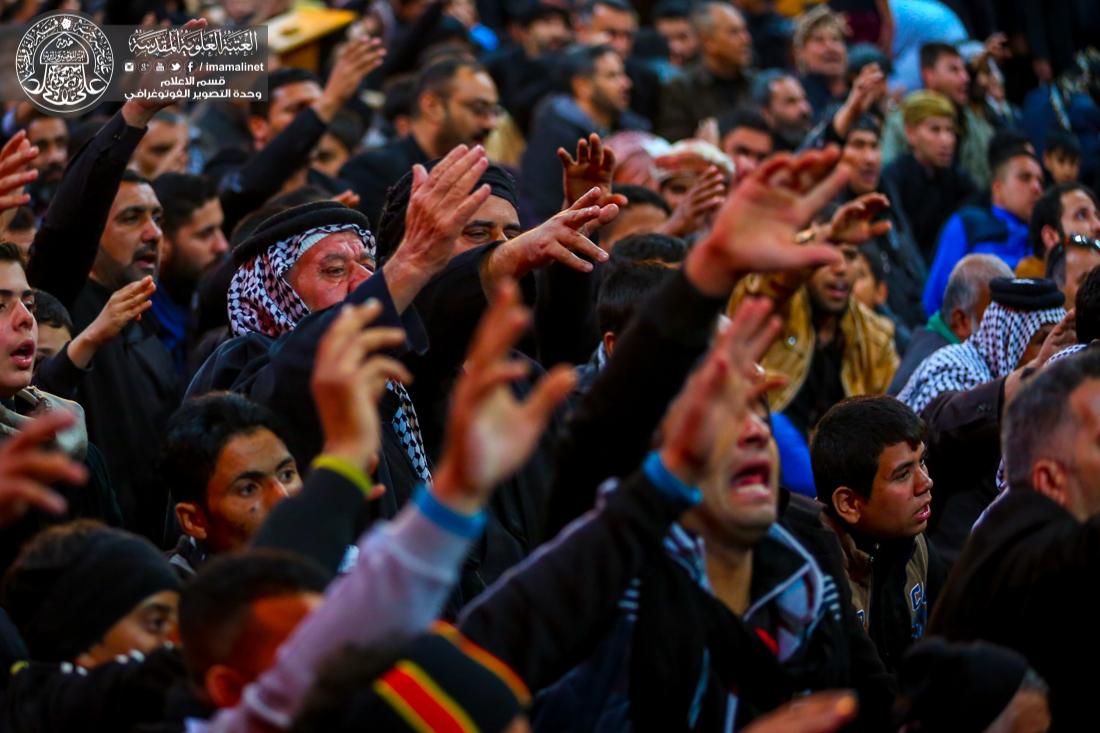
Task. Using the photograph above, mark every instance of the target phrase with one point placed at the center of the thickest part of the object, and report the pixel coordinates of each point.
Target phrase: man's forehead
(1086, 403)
(134, 193)
(338, 243)
(46, 127)
(13, 278)
(496, 209)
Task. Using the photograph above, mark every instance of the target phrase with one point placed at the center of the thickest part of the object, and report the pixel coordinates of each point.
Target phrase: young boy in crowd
(1062, 157)
(868, 461)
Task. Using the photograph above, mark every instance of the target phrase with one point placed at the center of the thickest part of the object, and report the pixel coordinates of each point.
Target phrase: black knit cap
(295, 220)
(960, 687)
(1025, 294)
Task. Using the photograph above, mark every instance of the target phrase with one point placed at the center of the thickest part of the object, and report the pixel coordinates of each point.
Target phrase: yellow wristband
(346, 469)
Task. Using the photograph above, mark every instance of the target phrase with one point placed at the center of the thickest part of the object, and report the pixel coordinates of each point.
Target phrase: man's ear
(581, 86)
(1048, 477)
(848, 504)
(910, 135)
(192, 520)
(432, 107)
(609, 342)
(223, 686)
(959, 323)
(1050, 237)
(260, 129)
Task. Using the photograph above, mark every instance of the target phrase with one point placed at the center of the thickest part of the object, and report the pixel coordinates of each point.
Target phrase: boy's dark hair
(347, 127)
(624, 289)
(1006, 145)
(876, 263)
(399, 91)
(1064, 142)
(640, 195)
(667, 9)
(1047, 212)
(280, 78)
(749, 117)
(215, 604)
(1087, 308)
(648, 247)
(580, 61)
(180, 196)
(10, 252)
(849, 439)
(49, 311)
(930, 53)
(196, 434)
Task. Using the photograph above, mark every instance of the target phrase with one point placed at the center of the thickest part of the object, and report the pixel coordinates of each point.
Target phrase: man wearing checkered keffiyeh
(262, 300)
(992, 352)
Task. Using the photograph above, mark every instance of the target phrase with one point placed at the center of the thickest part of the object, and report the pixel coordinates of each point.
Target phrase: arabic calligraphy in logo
(64, 63)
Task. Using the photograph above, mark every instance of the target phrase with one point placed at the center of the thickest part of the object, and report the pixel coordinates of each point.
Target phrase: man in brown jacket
(831, 346)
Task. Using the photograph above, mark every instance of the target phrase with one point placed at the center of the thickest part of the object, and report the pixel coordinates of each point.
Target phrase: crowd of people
(562, 365)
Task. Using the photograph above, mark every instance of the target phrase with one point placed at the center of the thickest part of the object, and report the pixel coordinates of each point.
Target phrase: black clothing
(771, 39)
(1028, 558)
(964, 451)
(904, 265)
(258, 177)
(695, 95)
(924, 342)
(372, 173)
(822, 388)
(523, 82)
(927, 197)
(818, 95)
(128, 394)
(645, 90)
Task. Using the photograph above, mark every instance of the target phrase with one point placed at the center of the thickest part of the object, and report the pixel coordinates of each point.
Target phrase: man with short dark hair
(194, 245)
(598, 101)
(1065, 219)
(868, 461)
(615, 23)
(672, 19)
(455, 103)
(943, 70)
(1000, 228)
(645, 212)
(51, 136)
(226, 467)
(718, 82)
(1025, 557)
(164, 148)
(746, 138)
(783, 102)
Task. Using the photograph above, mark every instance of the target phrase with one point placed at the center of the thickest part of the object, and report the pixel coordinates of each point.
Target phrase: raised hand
(348, 198)
(867, 89)
(439, 207)
(490, 434)
(28, 467)
(851, 224)
(755, 229)
(822, 712)
(720, 392)
(703, 198)
(355, 59)
(15, 172)
(349, 377)
(126, 304)
(594, 166)
(558, 239)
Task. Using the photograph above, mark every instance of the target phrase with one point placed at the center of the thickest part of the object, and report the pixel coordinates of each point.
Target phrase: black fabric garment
(253, 179)
(565, 313)
(822, 388)
(964, 451)
(128, 395)
(927, 197)
(695, 95)
(12, 648)
(653, 356)
(903, 262)
(771, 39)
(523, 82)
(1024, 581)
(645, 90)
(372, 173)
(116, 696)
(923, 344)
(818, 95)
(546, 617)
(58, 375)
(65, 246)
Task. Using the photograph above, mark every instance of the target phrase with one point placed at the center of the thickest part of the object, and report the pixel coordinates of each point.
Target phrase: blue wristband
(668, 483)
(462, 525)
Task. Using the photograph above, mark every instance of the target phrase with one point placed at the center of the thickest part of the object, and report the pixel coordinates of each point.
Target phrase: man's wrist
(708, 271)
(447, 489)
(137, 116)
(404, 280)
(326, 106)
(347, 463)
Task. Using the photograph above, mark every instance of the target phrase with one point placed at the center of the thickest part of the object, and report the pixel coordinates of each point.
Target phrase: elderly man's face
(330, 270)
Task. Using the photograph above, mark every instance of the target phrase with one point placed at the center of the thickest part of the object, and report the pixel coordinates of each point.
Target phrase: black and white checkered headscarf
(991, 352)
(261, 299)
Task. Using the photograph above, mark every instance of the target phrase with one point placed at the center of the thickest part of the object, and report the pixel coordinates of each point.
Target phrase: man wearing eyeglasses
(1064, 229)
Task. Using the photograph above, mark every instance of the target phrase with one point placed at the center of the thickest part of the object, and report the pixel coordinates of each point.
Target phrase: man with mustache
(51, 136)
(455, 103)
